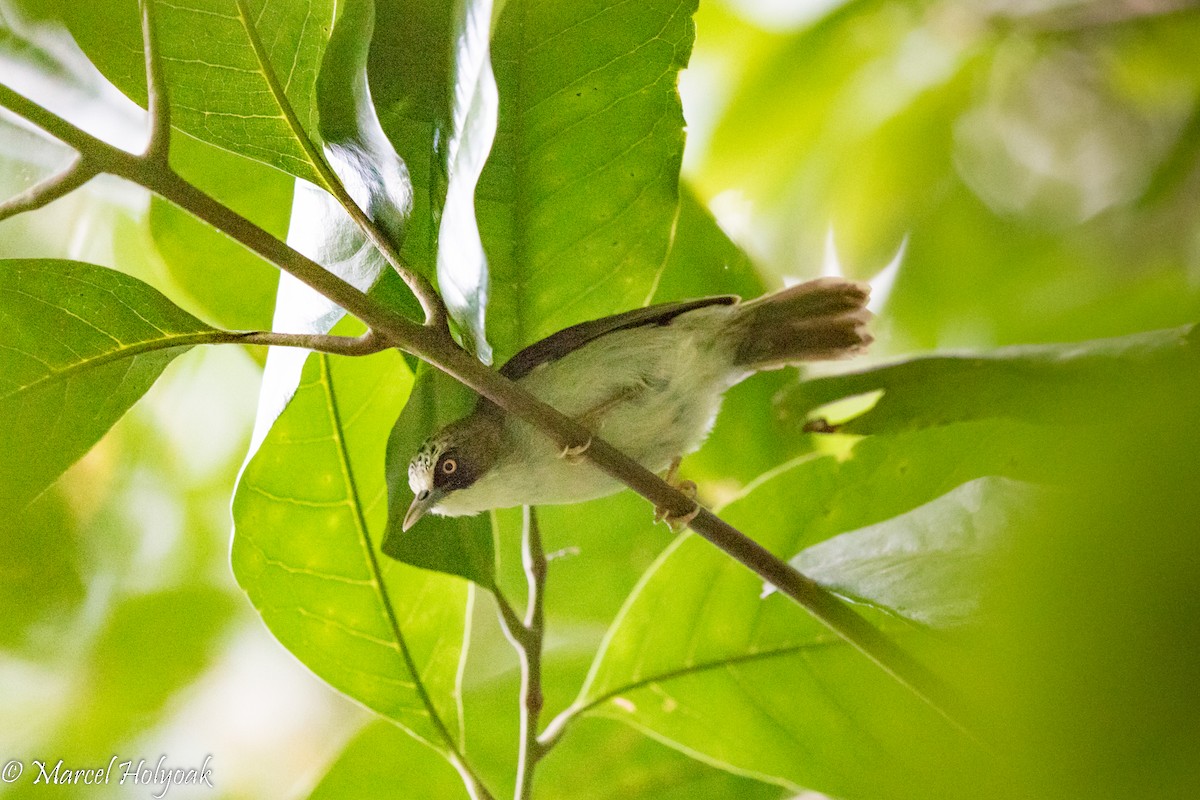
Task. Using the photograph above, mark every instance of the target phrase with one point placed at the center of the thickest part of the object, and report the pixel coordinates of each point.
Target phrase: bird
(649, 381)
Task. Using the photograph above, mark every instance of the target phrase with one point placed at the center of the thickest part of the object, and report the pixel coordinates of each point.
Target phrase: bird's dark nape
(815, 321)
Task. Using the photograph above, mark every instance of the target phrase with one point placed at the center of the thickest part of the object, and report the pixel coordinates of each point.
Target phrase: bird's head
(451, 460)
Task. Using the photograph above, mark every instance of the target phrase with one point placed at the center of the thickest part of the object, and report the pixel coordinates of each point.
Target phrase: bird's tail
(822, 319)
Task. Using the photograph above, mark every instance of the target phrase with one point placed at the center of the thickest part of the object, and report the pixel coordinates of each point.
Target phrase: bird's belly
(652, 393)
(654, 428)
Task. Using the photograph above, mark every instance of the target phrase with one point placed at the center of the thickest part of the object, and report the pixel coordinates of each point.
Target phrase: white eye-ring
(449, 466)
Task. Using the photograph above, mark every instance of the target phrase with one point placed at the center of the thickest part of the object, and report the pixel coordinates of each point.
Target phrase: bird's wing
(557, 345)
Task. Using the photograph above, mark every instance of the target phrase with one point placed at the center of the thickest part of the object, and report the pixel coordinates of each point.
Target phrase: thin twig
(158, 100)
(435, 346)
(45, 192)
(363, 345)
(527, 637)
(533, 557)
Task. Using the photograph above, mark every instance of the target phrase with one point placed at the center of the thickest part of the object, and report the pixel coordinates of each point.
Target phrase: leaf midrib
(133, 351)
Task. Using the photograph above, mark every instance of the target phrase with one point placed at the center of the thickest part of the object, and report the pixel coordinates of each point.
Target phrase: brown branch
(45, 192)
(527, 637)
(364, 345)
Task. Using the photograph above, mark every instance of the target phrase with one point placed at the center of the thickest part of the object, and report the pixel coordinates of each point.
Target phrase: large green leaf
(382, 761)
(80, 345)
(375, 177)
(242, 73)
(579, 197)
(701, 660)
(1097, 382)
(925, 565)
(309, 513)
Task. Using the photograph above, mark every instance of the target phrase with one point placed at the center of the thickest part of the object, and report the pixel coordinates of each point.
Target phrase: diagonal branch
(77, 173)
(158, 101)
(435, 346)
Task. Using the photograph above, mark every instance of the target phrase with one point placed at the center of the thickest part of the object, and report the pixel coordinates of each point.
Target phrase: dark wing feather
(557, 345)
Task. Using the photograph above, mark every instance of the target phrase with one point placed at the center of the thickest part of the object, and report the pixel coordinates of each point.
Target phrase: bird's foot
(573, 454)
(820, 425)
(677, 522)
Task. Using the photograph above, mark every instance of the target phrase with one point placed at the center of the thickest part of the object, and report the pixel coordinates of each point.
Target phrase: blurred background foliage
(1007, 172)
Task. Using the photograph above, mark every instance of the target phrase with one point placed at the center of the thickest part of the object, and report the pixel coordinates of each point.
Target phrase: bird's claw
(677, 522)
(573, 454)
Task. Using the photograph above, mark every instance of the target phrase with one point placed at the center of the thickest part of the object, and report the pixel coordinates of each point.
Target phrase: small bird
(649, 381)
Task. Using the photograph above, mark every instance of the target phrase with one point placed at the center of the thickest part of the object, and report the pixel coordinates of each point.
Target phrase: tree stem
(533, 556)
(527, 637)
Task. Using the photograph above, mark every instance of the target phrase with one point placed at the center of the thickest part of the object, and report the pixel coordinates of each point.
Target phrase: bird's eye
(449, 466)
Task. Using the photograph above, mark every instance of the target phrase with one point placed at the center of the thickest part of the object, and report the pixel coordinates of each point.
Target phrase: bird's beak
(421, 504)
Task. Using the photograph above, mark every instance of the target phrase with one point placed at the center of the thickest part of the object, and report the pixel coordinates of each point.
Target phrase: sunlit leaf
(242, 73)
(383, 762)
(703, 661)
(926, 565)
(580, 194)
(309, 514)
(80, 345)
(462, 266)
(1097, 382)
(562, 81)
(376, 179)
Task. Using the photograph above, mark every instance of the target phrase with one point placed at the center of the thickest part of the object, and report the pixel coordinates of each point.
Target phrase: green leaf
(409, 67)
(382, 761)
(701, 660)
(308, 513)
(80, 345)
(241, 73)
(454, 545)
(367, 166)
(581, 768)
(234, 287)
(1097, 382)
(925, 565)
(544, 45)
(579, 196)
